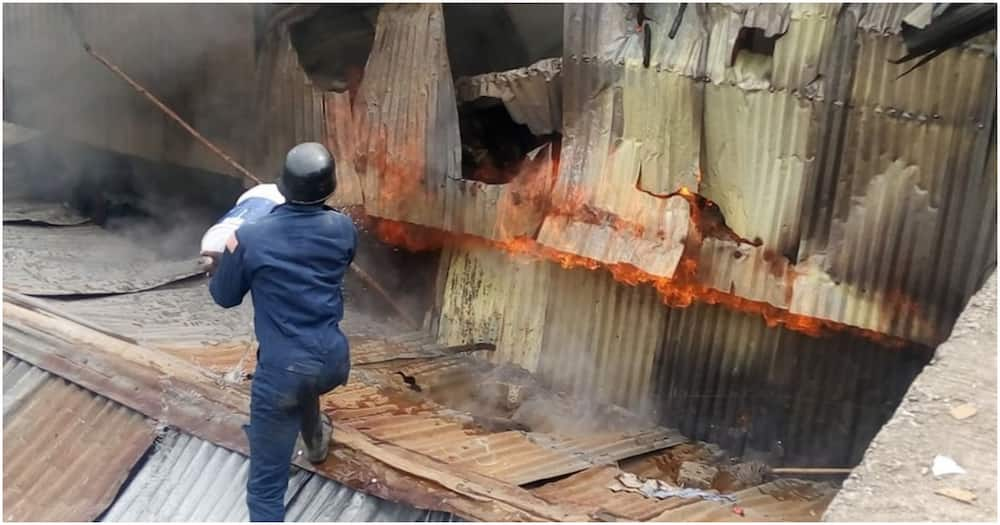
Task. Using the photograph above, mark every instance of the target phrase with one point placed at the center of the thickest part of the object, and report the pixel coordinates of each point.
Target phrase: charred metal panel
(408, 148)
(721, 376)
(197, 59)
(726, 377)
(66, 450)
(898, 242)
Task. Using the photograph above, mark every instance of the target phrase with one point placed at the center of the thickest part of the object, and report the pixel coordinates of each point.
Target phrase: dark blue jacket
(293, 261)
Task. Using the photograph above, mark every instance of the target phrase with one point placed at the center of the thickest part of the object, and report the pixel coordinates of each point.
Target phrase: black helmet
(309, 175)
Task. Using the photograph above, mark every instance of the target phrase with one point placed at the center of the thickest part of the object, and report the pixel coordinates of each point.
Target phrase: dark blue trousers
(282, 403)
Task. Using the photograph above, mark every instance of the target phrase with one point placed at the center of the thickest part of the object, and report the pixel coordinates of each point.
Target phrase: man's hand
(208, 262)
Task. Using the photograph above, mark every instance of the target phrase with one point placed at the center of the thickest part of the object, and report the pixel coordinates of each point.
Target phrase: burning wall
(824, 169)
(759, 169)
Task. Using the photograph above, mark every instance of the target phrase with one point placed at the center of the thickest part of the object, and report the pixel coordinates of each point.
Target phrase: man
(293, 261)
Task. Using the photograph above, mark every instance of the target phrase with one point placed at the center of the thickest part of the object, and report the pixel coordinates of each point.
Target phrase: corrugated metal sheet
(487, 298)
(408, 148)
(727, 378)
(910, 193)
(66, 450)
(580, 330)
(717, 374)
(885, 18)
(600, 337)
(176, 317)
(782, 500)
(532, 95)
(289, 108)
(53, 85)
(187, 479)
(340, 138)
(82, 259)
(417, 424)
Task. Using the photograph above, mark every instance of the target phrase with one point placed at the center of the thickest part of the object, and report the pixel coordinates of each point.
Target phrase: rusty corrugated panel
(513, 456)
(341, 137)
(66, 450)
(408, 148)
(532, 95)
(53, 85)
(289, 108)
(726, 377)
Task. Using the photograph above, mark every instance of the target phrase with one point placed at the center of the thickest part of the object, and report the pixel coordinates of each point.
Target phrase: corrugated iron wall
(289, 109)
(844, 173)
(713, 373)
(198, 59)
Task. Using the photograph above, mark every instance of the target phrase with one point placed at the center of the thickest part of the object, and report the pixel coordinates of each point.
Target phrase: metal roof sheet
(66, 450)
(82, 260)
(418, 424)
(186, 479)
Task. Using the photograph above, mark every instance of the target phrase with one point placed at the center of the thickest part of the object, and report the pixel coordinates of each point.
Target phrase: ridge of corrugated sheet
(186, 479)
(57, 434)
(885, 18)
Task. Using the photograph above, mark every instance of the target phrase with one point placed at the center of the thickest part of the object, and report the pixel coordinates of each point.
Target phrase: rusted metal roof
(66, 450)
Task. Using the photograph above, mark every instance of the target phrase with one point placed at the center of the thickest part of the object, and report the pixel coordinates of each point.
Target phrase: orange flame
(677, 292)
